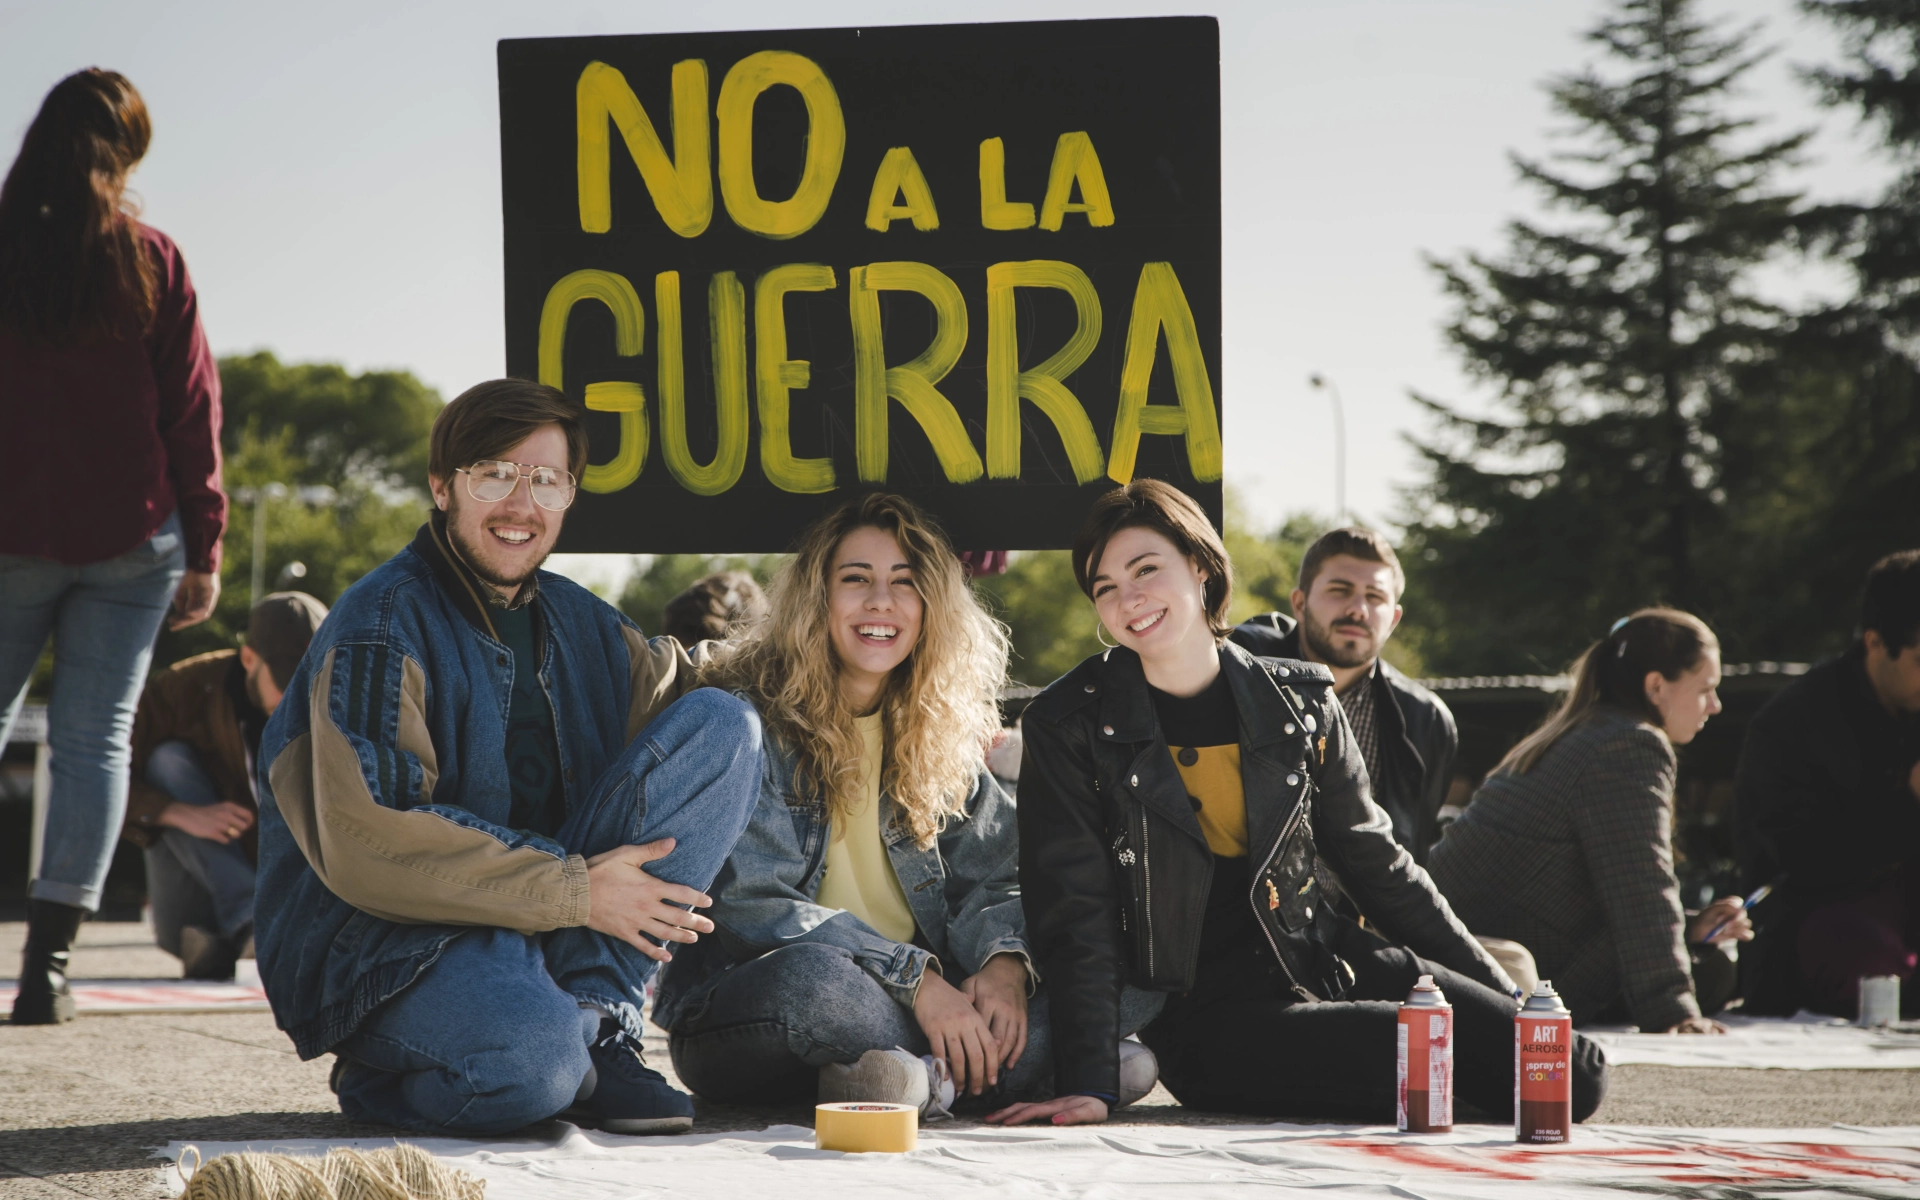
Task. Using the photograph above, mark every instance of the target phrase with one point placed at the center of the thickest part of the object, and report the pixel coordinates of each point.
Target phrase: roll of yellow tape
(866, 1128)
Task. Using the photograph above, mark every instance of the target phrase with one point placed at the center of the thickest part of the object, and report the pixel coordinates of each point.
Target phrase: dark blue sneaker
(628, 1096)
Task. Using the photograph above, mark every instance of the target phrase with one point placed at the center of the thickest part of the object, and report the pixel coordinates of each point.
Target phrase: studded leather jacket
(1115, 871)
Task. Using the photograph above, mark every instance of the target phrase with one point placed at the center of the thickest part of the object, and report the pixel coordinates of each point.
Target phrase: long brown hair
(72, 263)
(939, 709)
(1613, 672)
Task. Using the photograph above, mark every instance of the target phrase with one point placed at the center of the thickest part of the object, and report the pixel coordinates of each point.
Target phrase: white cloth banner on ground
(1191, 1162)
(1807, 1042)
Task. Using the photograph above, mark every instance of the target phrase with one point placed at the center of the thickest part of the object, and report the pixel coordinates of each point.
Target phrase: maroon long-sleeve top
(100, 443)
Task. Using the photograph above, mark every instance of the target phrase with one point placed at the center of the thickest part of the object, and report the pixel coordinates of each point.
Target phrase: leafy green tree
(1840, 443)
(1617, 340)
(371, 426)
(278, 432)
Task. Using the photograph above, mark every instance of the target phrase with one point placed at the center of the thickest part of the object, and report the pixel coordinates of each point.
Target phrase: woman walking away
(870, 915)
(112, 485)
(1181, 802)
(1568, 846)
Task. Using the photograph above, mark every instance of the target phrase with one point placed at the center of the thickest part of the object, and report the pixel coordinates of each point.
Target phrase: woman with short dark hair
(1186, 812)
(112, 484)
(1567, 848)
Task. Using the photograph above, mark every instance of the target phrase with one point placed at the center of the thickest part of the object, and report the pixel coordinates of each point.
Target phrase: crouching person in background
(870, 939)
(196, 736)
(487, 806)
(1181, 805)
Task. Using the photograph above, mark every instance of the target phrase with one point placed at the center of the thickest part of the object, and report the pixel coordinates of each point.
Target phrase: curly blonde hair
(939, 708)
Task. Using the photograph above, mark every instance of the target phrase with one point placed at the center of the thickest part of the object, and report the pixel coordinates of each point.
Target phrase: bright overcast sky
(332, 173)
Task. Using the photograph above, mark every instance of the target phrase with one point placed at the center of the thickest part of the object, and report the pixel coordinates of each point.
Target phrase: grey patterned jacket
(1574, 860)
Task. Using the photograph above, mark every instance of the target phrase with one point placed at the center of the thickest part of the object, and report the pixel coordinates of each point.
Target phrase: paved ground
(82, 1106)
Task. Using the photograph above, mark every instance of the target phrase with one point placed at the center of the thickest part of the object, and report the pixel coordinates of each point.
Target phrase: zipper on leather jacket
(1146, 871)
(1253, 888)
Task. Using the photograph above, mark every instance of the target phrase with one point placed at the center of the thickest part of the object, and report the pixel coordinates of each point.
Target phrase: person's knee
(174, 767)
(823, 997)
(722, 719)
(532, 1076)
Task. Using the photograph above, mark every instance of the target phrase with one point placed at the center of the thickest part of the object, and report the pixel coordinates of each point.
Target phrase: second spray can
(1543, 1068)
(1426, 1060)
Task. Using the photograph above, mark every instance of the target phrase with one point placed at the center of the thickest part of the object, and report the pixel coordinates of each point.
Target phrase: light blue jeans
(494, 1034)
(188, 876)
(103, 618)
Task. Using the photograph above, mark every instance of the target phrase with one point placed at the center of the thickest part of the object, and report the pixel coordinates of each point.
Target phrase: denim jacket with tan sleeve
(384, 795)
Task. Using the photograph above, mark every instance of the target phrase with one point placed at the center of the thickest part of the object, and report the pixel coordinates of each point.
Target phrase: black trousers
(1239, 1043)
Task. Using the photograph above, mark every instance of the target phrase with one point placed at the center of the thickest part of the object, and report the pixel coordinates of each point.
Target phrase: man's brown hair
(1170, 512)
(1363, 544)
(491, 418)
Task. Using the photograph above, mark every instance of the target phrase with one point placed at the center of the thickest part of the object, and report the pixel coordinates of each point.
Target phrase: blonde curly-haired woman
(870, 943)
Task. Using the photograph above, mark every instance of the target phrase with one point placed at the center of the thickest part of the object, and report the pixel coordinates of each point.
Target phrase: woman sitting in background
(872, 904)
(1567, 847)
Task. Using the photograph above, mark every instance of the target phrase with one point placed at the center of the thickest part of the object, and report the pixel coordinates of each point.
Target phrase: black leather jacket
(1115, 871)
(1418, 739)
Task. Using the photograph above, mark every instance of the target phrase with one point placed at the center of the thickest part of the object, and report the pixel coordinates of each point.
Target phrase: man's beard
(473, 556)
(1319, 639)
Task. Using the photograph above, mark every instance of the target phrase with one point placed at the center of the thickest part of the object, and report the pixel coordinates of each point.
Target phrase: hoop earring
(1100, 635)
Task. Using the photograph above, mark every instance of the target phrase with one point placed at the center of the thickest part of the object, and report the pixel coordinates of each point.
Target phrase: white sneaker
(891, 1077)
(1139, 1071)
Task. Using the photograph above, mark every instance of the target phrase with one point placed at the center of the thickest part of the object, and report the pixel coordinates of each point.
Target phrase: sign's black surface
(975, 264)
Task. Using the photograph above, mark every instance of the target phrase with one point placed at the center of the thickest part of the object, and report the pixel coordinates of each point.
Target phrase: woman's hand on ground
(999, 994)
(956, 1033)
(194, 599)
(1066, 1110)
(625, 901)
(221, 823)
(1726, 908)
(1698, 1025)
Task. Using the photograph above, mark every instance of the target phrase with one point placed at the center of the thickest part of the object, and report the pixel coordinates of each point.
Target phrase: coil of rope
(401, 1172)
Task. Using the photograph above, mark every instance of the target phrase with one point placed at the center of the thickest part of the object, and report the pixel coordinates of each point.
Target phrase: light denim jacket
(964, 891)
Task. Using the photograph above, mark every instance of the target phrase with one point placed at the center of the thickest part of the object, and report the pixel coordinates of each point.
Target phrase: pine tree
(1615, 338)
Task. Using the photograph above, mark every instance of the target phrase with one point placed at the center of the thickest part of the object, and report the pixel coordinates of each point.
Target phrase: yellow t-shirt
(859, 876)
(1214, 780)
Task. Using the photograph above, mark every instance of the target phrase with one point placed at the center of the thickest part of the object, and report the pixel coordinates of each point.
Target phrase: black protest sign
(978, 265)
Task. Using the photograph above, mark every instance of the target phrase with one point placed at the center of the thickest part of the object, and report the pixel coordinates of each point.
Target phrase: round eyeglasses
(492, 480)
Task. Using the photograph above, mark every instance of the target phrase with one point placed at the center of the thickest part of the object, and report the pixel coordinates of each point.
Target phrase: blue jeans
(188, 876)
(103, 618)
(763, 1032)
(493, 1035)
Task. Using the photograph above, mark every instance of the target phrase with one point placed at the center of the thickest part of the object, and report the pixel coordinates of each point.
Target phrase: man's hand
(222, 822)
(1698, 1025)
(624, 901)
(1726, 908)
(194, 599)
(1066, 1110)
(999, 994)
(957, 1033)
(1913, 780)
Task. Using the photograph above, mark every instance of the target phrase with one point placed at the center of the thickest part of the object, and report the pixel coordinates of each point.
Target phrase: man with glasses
(488, 805)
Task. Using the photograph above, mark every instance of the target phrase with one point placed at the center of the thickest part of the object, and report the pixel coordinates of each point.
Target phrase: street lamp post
(1321, 383)
(317, 495)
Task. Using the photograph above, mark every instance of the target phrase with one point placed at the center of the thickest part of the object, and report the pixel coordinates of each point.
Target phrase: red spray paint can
(1543, 1068)
(1426, 1060)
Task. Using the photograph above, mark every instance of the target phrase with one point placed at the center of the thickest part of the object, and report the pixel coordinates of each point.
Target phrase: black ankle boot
(44, 997)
